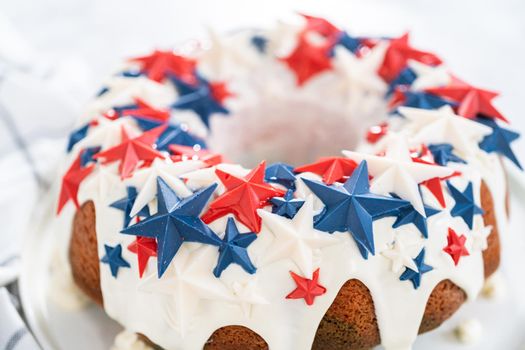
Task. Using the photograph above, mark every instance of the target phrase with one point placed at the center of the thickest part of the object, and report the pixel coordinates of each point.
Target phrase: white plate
(91, 329)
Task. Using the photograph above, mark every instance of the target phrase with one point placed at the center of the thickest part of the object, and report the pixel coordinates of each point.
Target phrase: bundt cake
(310, 248)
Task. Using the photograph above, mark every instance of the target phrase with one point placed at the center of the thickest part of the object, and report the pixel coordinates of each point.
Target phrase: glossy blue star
(175, 134)
(442, 153)
(102, 91)
(349, 42)
(77, 136)
(499, 141)
(286, 206)
(125, 204)
(408, 215)
(405, 78)
(353, 208)
(424, 100)
(130, 73)
(259, 42)
(280, 173)
(464, 204)
(198, 98)
(177, 221)
(114, 259)
(422, 268)
(87, 155)
(233, 249)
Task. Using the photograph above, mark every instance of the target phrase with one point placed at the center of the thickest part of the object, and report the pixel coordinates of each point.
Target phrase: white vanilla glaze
(184, 307)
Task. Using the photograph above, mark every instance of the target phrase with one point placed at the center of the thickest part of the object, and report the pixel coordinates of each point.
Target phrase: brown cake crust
(350, 322)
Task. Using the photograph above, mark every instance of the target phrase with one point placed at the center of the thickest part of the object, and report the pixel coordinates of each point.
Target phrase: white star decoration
(428, 76)
(397, 173)
(359, 74)
(479, 237)
(108, 133)
(207, 176)
(104, 183)
(146, 180)
(402, 253)
(246, 295)
(296, 238)
(122, 90)
(223, 55)
(187, 281)
(442, 125)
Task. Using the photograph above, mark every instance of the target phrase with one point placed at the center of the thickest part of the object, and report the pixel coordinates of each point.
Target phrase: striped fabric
(38, 106)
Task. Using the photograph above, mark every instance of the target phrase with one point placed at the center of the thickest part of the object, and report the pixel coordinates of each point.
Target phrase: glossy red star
(181, 153)
(307, 289)
(132, 151)
(376, 132)
(332, 169)
(321, 26)
(220, 92)
(243, 197)
(160, 64)
(145, 248)
(145, 110)
(71, 182)
(308, 60)
(397, 55)
(472, 101)
(434, 185)
(456, 246)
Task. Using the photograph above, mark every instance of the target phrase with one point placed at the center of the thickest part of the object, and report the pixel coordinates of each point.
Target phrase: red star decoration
(376, 132)
(220, 92)
(434, 185)
(308, 60)
(71, 182)
(145, 110)
(160, 64)
(398, 54)
(321, 26)
(145, 248)
(307, 289)
(181, 153)
(472, 101)
(332, 169)
(243, 197)
(456, 246)
(131, 151)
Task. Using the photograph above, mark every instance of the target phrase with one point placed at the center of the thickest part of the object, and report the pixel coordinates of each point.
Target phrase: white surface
(482, 40)
(502, 319)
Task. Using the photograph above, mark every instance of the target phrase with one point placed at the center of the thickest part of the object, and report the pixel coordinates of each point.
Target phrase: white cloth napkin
(39, 103)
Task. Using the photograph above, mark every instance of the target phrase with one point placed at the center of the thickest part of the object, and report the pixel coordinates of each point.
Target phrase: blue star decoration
(499, 141)
(282, 174)
(177, 221)
(177, 134)
(114, 259)
(198, 98)
(424, 100)
(76, 136)
(87, 154)
(464, 204)
(102, 91)
(233, 249)
(415, 276)
(353, 208)
(349, 42)
(259, 42)
(442, 153)
(125, 204)
(286, 206)
(408, 215)
(405, 78)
